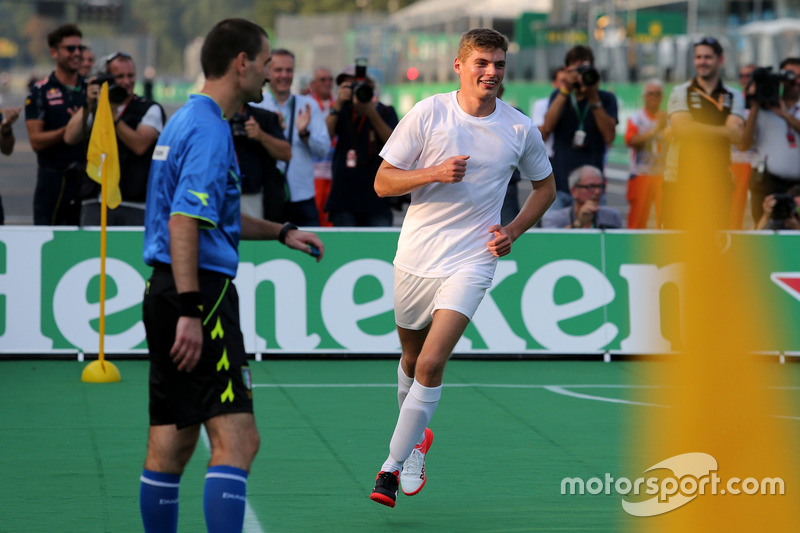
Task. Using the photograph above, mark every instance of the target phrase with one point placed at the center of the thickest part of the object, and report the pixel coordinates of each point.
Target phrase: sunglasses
(599, 187)
(713, 43)
(328, 78)
(117, 55)
(71, 48)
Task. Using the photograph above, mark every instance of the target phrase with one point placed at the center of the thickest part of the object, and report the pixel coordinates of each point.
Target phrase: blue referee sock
(224, 499)
(158, 501)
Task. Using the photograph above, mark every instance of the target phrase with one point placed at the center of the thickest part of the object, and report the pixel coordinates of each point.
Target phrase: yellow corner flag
(102, 165)
(102, 159)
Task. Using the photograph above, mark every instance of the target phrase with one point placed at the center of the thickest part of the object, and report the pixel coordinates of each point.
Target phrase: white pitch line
(251, 523)
(557, 389)
(447, 385)
(561, 390)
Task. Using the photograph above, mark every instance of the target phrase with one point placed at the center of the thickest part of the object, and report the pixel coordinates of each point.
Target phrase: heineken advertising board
(576, 292)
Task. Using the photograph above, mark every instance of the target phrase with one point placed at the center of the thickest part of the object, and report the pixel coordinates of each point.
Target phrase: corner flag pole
(103, 164)
(103, 222)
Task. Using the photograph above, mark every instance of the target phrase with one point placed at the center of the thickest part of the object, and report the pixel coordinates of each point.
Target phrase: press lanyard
(719, 103)
(321, 103)
(360, 125)
(581, 114)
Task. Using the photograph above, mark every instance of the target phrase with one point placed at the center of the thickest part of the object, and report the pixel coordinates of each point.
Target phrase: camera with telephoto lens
(768, 85)
(116, 94)
(784, 207)
(590, 76)
(362, 90)
(237, 125)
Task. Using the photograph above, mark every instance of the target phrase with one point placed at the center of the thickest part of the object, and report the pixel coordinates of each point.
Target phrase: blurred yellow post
(722, 399)
(102, 165)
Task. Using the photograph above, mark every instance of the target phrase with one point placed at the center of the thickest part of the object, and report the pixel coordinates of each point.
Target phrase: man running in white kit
(463, 147)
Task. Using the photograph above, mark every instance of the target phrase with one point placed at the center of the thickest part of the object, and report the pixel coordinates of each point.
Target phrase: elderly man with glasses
(587, 186)
(48, 108)
(138, 123)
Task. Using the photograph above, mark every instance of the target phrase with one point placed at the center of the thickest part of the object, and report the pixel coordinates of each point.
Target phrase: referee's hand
(306, 242)
(188, 343)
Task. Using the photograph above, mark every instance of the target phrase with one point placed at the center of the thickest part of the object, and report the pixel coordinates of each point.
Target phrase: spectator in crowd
(645, 135)
(8, 116)
(138, 123)
(743, 162)
(199, 374)
(581, 118)
(774, 132)
(454, 153)
(781, 211)
(321, 90)
(259, 143)
(541, 106)
(587, 185)
(306, 132)
(705, 118)
(88, 59)
(361, 129)
(48, 108)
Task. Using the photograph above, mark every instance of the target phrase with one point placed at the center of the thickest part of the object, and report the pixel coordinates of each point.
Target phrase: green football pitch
(506, 434)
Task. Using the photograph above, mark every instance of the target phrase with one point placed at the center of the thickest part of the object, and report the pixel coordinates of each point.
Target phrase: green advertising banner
(558, 292)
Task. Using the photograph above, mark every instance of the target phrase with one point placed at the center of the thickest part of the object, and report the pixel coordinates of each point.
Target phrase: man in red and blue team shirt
(48, 108)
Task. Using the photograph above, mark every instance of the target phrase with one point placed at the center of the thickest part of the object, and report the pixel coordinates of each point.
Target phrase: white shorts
(416, 298)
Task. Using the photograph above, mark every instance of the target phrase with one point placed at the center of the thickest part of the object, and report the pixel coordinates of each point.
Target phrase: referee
(193, 224)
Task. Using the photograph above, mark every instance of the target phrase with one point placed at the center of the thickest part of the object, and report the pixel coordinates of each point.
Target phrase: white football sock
(415, 415)
(403, 384)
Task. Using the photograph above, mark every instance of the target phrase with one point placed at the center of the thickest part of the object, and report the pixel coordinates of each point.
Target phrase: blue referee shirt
(194, 173)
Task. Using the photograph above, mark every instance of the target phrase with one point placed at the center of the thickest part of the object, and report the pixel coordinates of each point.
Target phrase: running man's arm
(393, 181)
(539, 201)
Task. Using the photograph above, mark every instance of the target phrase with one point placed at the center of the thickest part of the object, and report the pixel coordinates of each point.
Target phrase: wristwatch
(597, 105)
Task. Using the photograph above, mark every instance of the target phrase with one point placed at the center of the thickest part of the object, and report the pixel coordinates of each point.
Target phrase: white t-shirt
(772, 140)
(446, 228)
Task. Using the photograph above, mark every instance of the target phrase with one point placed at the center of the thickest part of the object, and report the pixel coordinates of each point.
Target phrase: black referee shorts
(220, 383)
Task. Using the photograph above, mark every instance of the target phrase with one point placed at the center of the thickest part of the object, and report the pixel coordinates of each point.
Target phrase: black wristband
(191, 303)
(284, 230)
(6, 133)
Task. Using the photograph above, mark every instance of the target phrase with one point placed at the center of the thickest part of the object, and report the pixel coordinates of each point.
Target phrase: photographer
(582, 120)
(362, 126)
(780, 211)
(138, 124)
(773, 128)
(259, 143)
